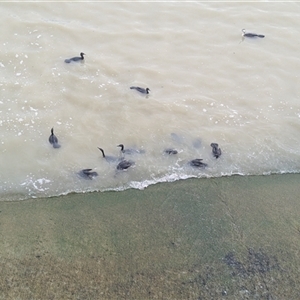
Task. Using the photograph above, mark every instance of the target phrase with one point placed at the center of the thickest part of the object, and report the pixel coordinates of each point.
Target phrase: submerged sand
(224, 238)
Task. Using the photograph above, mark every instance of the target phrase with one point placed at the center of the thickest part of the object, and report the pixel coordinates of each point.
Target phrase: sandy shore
(225, 238)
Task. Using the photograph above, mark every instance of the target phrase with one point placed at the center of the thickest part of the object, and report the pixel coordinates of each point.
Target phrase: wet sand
(224, 238)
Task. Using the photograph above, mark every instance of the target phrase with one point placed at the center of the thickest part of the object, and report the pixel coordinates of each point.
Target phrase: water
(207, 85)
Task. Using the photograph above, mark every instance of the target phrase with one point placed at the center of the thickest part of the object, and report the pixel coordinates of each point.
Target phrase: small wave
(43, 187)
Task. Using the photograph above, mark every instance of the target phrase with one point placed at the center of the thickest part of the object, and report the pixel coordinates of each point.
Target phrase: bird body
(141, 90)
(53, 140)
(251, 35)
(125, 164)
(216, 150)
(197, 163)
(76, 58)
(171, 151)
(88, 174)
(130, 151)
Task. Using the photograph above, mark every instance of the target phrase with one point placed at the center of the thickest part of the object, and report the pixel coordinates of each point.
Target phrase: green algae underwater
(233, 237)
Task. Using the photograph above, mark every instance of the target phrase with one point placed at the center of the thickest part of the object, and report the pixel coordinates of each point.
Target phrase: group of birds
(81, 58)
(124, 164)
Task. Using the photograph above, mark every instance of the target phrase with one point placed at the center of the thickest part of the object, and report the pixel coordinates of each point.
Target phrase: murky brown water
(207, 85)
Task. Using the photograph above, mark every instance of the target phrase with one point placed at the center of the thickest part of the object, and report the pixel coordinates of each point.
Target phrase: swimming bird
(87, 174)
(130, 151)
(76, 58)
(197, 163)
(110, 158)
(216, 150)
(249, 34)
(125, 164)
(170, 151)
(141, 90)
(53, 140)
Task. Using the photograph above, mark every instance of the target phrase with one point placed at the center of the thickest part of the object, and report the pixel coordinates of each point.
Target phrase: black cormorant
(130, 151)
(197, 163)
(53, 140)
(171, 151)
(249, 34)
(125, 164)
(76, 58)
(141, 90)
(216, 150)
(88, 174)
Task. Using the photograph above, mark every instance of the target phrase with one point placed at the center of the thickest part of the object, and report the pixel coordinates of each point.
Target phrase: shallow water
(191, 239)
(207, 85)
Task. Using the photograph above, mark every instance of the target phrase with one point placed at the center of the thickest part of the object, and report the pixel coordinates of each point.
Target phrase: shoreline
(235, 237)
